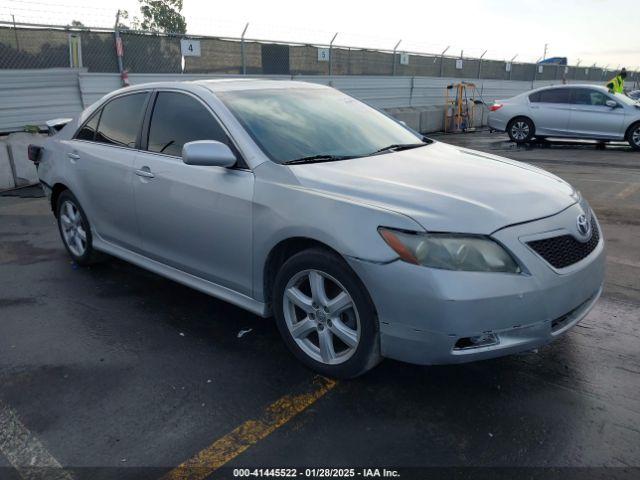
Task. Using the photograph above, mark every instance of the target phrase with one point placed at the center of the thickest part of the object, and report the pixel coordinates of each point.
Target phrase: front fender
(283, 209)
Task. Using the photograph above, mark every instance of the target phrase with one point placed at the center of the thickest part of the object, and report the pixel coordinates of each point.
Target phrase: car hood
(444, 188)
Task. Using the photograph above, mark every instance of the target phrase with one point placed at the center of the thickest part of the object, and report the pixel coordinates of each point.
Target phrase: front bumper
(423, 312)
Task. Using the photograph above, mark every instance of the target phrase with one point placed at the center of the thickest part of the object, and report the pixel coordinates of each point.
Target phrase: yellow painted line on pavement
(249, 433)
(630, 190)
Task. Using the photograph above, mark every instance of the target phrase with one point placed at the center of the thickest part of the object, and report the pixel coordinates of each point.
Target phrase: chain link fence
(33, 47)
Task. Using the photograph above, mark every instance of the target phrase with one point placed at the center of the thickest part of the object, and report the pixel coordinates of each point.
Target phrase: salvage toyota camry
(364, 239)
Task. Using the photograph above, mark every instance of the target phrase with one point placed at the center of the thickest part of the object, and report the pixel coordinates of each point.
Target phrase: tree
(161, 16)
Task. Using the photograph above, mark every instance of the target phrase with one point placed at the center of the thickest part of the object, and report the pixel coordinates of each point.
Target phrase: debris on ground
(242, 333)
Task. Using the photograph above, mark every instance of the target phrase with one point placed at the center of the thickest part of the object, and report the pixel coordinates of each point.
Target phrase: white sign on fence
(459, 64)
(323, 54)
(507, 67)
(190, 48)
(404, 58)
(540, 68)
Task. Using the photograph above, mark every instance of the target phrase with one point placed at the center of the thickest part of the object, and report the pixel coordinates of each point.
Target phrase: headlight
(450, 252)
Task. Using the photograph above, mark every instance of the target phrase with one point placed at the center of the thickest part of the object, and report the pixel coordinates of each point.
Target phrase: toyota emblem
(583, 225)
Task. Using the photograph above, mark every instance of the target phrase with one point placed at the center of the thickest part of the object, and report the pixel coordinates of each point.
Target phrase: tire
(325, 315)
(521, 130)
(633, 136)
(75, 230)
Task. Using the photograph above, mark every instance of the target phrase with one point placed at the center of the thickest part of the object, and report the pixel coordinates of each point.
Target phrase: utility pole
(119, 51)
(544, 55)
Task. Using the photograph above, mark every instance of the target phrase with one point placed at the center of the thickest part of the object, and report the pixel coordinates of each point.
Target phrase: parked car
(363, 238)
(575, 111)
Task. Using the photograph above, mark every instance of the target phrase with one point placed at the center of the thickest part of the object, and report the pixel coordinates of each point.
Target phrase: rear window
(121, 120)
(554, 95)
(534, 97)
(88, 131)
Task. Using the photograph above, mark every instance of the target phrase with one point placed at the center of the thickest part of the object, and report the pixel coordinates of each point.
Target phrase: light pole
(394, 55)
(331, 54)
(480, 64)
(244, 63)
(511, 65)
(442, 59)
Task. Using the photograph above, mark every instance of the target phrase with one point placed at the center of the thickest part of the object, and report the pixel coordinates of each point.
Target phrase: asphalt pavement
(114, 372)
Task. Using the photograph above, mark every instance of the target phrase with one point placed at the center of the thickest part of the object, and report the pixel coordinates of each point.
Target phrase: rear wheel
(325, 315)
(75, 230)
(633, 136)
(521, 130)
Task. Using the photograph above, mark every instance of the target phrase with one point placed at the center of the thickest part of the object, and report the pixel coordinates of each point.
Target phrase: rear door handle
(73, 156)
(145, 172)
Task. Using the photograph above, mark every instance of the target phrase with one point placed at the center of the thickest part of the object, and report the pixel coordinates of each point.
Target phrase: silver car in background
(573, 111)
(363, 238)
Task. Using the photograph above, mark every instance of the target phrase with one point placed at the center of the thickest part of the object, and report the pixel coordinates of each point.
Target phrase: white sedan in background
(573, 111)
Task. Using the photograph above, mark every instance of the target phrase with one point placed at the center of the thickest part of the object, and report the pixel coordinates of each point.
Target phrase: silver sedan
(364, 239)
(574, 111)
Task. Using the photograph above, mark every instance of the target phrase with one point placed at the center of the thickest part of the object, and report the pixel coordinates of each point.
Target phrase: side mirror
(208, 153)
(611, 103)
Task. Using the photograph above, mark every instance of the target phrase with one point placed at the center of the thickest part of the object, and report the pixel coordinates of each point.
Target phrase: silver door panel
(105, 189)
(196, 219)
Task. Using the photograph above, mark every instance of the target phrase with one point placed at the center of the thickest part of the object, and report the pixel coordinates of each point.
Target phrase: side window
(586, 96)
(555, 95)
(121, 119)
(88, 131)
(534, 97)
(177, 119)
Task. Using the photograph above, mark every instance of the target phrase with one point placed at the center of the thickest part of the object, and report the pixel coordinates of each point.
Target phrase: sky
(589, 31)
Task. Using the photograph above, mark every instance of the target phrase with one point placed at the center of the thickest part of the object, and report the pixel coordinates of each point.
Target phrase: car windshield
(624, 99)
(290, 124)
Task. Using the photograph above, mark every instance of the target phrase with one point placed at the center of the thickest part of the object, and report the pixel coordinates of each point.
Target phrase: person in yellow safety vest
(616, 85)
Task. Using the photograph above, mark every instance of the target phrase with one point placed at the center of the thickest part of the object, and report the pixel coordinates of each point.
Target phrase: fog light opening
(484, 340)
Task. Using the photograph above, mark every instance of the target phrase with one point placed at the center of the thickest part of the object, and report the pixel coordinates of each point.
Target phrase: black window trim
(241, 164)
(99, 110)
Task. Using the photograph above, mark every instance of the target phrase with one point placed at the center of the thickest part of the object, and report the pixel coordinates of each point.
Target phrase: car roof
(573, 85)
(220, 85)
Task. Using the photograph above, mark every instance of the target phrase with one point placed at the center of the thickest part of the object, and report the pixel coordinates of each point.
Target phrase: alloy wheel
(321, 317)
(635, 136)
(520, 130)
(73, 231)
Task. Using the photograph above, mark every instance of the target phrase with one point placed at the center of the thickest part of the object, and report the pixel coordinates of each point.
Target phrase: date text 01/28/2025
(315, 473)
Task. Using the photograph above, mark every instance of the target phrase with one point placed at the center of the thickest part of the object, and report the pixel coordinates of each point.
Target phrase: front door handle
(145, 172)
(73, 156)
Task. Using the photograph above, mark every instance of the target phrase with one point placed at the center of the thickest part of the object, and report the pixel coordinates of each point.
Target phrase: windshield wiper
(318, 158)
(396, 147)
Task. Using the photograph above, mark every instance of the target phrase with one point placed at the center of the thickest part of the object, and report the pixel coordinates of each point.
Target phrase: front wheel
(633, 136)
(325, 315)
(521, 130)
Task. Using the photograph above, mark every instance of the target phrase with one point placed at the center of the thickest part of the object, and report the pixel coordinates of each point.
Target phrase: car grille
(565, 250)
